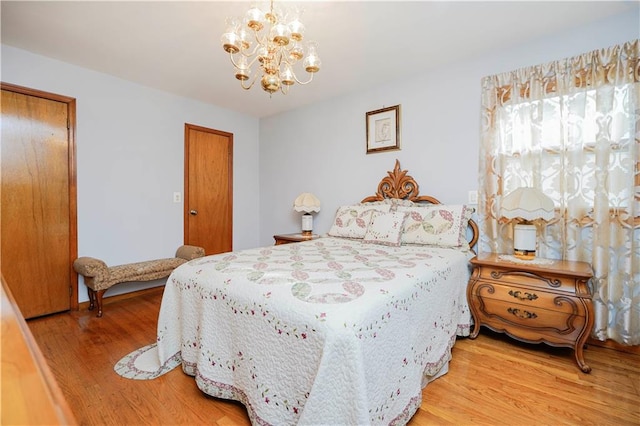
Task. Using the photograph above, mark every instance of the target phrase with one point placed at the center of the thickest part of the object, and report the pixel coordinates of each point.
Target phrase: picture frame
(383, 129)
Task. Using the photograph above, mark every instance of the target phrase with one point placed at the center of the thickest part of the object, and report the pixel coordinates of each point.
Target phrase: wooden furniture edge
(294, 237)
(559, 267)
(30, 393)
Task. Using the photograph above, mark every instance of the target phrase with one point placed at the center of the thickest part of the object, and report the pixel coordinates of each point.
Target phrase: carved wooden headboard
(399, 184)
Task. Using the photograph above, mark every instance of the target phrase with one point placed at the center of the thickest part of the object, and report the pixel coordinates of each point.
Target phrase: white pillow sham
(352, 221)
(385, 228)
(436, 224)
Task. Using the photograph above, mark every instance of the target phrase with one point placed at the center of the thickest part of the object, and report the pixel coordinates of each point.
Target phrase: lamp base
(525, 254)
(307, 233)
(524, 242)
(307, 224)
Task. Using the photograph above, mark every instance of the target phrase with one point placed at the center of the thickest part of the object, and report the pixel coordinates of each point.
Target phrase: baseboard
(611, 344)
(124, 296)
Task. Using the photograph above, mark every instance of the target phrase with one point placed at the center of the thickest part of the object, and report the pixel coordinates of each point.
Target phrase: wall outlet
(177, 197)
(473, 197)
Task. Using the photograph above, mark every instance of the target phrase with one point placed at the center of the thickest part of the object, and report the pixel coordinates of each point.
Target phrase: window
(568, 154)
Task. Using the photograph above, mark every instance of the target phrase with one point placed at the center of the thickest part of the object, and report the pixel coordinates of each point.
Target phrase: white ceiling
(175, 46)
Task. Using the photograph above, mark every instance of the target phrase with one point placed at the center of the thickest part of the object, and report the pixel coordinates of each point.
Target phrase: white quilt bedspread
(330, 331)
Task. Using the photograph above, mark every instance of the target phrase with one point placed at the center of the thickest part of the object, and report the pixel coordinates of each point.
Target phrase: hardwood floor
(492, 380)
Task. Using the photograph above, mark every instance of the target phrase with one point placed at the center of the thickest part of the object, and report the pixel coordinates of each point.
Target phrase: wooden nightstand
(533, 303)
(293, 238)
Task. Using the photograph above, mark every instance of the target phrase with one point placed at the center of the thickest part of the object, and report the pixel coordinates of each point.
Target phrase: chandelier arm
(249, 65)
(260, 41)
(253, 61)
(249, 54)
(233, 60)
(249, 86)
(279, 57)
(295, 77)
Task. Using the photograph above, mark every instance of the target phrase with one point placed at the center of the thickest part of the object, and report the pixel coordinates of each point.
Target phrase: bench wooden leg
(95, 300)
(92, 298)
(98, 296)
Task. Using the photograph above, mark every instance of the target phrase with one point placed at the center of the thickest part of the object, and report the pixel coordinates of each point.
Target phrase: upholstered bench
(99, 277)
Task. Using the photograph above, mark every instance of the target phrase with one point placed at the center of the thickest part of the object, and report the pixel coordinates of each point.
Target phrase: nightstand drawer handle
(523, 314)
(527, 296)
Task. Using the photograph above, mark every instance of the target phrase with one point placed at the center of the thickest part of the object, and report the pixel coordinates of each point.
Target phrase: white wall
(321, 148)
(130, 145)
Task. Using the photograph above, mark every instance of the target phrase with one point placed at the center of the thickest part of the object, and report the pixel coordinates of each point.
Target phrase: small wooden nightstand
(293, 238)
(533, 303)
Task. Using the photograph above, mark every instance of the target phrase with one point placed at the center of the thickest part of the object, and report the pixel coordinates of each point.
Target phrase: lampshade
(528, 204)
(306, 202)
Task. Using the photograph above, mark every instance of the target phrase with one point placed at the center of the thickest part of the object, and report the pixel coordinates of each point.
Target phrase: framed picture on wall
(383, 129)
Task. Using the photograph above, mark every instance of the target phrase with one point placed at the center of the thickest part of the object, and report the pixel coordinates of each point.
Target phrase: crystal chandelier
(273, 42)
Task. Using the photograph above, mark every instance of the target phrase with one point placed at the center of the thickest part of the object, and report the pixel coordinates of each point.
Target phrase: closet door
(38, 217)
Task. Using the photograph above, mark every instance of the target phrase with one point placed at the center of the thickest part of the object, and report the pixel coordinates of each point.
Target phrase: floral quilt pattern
(328, 331)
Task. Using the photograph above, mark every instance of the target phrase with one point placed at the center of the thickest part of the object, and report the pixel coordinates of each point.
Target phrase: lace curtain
(572, 129)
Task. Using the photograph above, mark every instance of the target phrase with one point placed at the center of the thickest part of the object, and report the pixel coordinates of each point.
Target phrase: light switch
(473, 197)
(177, 197)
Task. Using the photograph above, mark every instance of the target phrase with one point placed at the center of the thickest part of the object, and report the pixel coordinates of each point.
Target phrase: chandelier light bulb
(297, 52)
(287, 76)
(312, 61)
(255, 18)
(280, 34)
(297, 29)
(266, 42)
(243, 71)
(243, 37)
(263, 53)
(230, 39)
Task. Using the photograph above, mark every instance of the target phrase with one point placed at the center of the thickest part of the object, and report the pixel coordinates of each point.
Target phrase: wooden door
(208, 189)
(38, 211)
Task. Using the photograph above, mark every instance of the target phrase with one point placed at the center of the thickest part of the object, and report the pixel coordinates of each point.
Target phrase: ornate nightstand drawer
(499, 311)
(514, 276)
(528, 297)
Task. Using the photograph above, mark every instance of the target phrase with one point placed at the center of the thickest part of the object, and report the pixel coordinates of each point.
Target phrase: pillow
(397, 202)
(385, 228)
(393, 202)
(436, 224)
(383, 202)
(352, 221)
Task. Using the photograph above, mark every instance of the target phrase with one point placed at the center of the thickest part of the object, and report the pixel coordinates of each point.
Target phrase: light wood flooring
(492, 380)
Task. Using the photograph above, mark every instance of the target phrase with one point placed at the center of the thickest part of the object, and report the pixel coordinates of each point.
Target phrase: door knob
(193, 212)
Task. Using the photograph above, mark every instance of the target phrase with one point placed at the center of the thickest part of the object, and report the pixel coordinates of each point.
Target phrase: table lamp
(526, 205)
(307, 203)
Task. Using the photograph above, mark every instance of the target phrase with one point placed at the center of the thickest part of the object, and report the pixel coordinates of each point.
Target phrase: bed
(343, 329)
